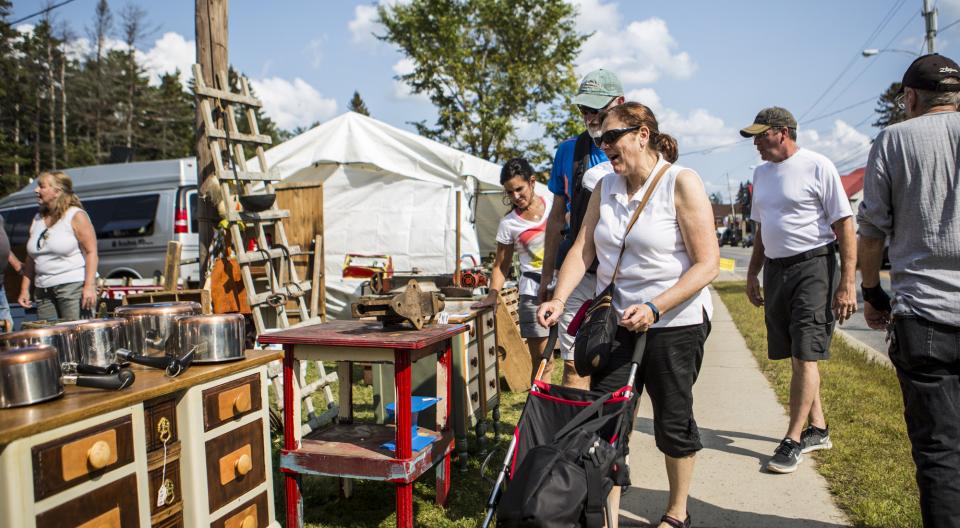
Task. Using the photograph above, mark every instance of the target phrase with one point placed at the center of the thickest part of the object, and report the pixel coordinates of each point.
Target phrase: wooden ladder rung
(229, 174)
(238, 137)
(266, 216)
(213, 93)
(249, 257)
(299, 290)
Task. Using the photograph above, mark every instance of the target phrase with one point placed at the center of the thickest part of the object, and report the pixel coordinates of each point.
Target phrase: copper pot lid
(94, 324)
(160, 308)
(35, 333)
(27, 354)
(210, 319)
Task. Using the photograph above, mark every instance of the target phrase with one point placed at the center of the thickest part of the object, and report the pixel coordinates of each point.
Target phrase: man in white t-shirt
(802, 214)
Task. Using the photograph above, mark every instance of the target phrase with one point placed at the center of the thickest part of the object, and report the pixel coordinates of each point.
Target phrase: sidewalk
(741, 424)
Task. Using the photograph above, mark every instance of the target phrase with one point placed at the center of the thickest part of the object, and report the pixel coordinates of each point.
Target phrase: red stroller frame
(551, 407)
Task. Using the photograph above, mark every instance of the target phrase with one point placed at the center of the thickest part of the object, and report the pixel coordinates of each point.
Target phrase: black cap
(928, 73)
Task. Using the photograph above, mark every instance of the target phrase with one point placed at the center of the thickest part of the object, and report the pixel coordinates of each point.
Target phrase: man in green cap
(802, 213)
(572, 182)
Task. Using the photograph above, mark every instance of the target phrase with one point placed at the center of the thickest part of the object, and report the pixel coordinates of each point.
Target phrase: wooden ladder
(268, 298)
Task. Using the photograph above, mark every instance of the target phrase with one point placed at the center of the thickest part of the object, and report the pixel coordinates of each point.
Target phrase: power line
(835, 112)
(42, 11)
(883, 24)
(715, 147)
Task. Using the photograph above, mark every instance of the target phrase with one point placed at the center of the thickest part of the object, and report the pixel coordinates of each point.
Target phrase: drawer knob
(249, 522)
(474, 396)
(98, 456)
(242, 402)
(493, 384)
(243, 465)
(474, 361)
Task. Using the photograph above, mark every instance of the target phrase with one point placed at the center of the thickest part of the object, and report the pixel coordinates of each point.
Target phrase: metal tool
(413, 306)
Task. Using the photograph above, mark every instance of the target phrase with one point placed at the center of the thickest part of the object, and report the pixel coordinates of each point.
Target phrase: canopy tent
(389, 191)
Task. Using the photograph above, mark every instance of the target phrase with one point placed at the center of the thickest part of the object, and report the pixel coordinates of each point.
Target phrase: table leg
(402, 437)
(290, 423)
(443, 469)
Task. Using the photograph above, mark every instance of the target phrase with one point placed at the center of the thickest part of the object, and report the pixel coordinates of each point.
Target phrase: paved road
(856, 327)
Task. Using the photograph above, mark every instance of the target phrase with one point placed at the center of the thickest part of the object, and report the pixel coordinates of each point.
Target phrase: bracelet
(656, 312)
(876, 297)
(563, 302)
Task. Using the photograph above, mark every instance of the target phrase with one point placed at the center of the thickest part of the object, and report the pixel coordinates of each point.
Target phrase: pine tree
(357, 105)
(890, 112)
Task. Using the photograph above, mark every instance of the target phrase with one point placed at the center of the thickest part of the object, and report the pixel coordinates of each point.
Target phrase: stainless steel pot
(61, 337)
(152, 330)
(217, 338)
(98, 340)
(32, 374)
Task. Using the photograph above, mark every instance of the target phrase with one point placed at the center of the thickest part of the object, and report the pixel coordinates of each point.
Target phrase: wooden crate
(198, 296)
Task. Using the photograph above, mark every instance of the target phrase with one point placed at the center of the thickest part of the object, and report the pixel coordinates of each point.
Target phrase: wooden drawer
(110, 506)
(155, 479)
(491, 381)
(251, 514)
(160, 418)
(230, 401)
(174, 521)
(474, 395)
(77, 458)
(235, 463)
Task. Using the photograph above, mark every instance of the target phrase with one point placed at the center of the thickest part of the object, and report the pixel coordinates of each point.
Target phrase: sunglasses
(899, 100)
(586, 110)
(42, 239)
(612, 136)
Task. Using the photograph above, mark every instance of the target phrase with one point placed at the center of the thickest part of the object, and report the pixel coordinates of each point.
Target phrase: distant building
(721, 213)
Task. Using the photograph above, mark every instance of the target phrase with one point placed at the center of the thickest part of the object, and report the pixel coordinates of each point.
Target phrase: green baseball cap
(598, 88)
(769, 118)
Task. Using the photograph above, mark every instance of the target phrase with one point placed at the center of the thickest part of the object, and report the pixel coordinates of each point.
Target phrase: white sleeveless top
(58, 259)
(655, 255)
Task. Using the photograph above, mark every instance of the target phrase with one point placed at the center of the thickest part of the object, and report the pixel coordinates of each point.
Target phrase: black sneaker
(786, 458)
(814, 438)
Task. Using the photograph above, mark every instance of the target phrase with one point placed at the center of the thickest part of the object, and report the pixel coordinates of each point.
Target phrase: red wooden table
(350, 450)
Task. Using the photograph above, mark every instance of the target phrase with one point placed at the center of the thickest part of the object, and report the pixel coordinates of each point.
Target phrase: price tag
(443, 318)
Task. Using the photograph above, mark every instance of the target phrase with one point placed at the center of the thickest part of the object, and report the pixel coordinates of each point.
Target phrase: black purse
(591, 347)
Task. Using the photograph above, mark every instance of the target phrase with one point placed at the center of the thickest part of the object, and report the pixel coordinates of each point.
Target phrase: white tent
(388, 191)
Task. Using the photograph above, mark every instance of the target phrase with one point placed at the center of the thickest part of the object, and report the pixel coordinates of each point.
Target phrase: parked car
(135, 208)
(730, 236)
(747, 241)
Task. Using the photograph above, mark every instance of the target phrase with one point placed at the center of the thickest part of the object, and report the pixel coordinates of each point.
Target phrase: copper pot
(61, 337)
(32, 374)
(153, 326)
(214, 338)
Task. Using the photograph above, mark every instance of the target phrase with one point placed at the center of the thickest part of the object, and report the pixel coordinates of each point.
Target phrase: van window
(192, 211)
(17, 224)
(127, 216)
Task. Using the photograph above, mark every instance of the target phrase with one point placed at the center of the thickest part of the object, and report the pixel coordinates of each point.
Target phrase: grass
(373, 502)
(869, 470)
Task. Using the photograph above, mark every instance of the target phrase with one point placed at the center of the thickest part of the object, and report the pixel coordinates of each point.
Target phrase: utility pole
(211, 33)
(930, 21)
(733, 204)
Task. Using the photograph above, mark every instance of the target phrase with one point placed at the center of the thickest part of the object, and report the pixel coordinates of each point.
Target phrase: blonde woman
(61, 253)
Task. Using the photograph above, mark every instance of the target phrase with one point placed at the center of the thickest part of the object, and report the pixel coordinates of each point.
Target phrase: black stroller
(567, 452)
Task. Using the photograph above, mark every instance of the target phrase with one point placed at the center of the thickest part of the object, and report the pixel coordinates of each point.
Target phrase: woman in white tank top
(671, 256)
(61, 253)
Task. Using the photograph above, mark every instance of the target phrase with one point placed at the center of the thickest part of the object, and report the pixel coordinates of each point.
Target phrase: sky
(705, 67)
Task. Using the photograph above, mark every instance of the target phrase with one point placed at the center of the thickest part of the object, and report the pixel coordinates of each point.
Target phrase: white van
(135, 208)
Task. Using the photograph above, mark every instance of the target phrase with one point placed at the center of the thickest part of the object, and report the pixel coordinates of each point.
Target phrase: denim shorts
(527, 312)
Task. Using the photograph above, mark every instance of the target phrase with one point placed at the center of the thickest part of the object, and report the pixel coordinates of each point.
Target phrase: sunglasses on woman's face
(611, 136)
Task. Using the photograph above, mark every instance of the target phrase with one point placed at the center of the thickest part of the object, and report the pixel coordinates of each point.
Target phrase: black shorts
(670, 366)
(798, 307)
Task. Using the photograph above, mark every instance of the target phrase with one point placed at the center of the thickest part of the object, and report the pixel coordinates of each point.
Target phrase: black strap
(582, 418)
(593, 510)
(578, 195)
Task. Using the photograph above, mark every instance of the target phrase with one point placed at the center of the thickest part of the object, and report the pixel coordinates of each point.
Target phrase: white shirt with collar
(655, 255)
(796, 202)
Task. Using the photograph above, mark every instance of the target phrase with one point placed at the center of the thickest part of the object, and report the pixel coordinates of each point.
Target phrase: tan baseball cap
(768, 118)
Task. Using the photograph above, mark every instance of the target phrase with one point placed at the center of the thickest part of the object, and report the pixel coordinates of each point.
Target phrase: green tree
(357, 105)
(485, 64)
(888, 109)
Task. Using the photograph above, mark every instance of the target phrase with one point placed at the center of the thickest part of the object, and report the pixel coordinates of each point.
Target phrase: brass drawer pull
(163, 429)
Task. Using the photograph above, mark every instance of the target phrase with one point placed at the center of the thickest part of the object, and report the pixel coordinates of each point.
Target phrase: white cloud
(843, 144)
(314, 51)
(364, 25)
(647, 96)
(644, 49)
(293, 104)
(696, 130)
(169, 53)
(401, 90)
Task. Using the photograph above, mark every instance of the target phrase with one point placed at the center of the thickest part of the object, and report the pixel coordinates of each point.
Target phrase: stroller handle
(547, 352)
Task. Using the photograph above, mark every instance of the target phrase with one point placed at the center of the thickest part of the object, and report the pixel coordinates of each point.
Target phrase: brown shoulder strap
(636, 215)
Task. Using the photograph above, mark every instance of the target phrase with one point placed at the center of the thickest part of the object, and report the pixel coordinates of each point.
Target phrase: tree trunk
(37, 121)
(16, 139)
(52, 94)
(63, 108)
(211, 37)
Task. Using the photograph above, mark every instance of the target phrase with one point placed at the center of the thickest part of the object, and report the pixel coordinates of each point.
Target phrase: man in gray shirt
(912, 196)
